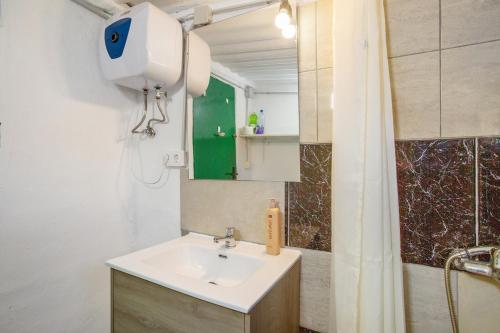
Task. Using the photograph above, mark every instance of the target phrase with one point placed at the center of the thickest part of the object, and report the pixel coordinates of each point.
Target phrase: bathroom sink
(235, 278)
(206, 264)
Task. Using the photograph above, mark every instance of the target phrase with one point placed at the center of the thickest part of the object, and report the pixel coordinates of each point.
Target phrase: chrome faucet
(464, 259)
(229, 238)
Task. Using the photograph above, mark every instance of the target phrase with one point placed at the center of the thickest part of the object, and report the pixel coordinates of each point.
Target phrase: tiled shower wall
(445, 68)
(437, 182)
(315, 71)
(445, 77)
(449, 192)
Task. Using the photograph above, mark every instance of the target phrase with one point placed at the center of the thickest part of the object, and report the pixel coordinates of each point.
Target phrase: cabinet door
(141, 306)
(279, 310)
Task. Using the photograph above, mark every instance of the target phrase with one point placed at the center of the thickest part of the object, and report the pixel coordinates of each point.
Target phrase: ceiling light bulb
(282, 19)
(289, 31)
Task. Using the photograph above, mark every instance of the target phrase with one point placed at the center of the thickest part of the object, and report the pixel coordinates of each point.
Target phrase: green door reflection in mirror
(214, 131)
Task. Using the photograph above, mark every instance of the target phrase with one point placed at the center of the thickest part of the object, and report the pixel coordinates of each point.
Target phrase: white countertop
(243, 274)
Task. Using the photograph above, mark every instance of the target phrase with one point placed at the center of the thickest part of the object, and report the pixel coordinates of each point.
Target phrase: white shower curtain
(367, 293)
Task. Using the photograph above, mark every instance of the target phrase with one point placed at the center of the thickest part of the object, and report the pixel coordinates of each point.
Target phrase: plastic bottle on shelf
(252, 121)
(260, 122)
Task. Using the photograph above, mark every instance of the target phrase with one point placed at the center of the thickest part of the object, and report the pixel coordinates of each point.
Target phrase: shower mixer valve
(465, 262)
(463, 259)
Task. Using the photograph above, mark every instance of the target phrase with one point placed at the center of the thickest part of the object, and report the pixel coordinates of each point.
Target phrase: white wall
(281, 112)
(274, 159)
(281, 107)
(67, 201)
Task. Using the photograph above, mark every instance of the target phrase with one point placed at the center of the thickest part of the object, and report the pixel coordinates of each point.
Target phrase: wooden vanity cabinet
(139, 306)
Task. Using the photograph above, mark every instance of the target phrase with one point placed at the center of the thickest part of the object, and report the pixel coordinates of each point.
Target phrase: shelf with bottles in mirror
(269, 136)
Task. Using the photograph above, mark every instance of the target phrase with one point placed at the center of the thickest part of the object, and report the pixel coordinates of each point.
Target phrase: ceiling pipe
(103, 8)
(230, 9)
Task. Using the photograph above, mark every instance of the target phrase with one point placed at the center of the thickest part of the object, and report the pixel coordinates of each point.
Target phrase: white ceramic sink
(235, 278)
(206, 264)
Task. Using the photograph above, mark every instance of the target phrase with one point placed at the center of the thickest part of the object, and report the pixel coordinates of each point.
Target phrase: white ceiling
(174, 6)
(251, 46)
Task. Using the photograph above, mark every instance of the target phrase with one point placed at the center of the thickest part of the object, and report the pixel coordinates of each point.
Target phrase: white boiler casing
(199, 65)
(142, 48)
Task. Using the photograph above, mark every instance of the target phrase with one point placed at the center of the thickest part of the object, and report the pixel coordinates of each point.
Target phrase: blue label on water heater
(115, 37)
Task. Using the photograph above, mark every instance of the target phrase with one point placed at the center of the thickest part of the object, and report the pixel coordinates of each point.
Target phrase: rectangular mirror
(246, 125)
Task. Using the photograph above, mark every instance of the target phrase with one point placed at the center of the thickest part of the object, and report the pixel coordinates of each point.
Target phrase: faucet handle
(230, 232)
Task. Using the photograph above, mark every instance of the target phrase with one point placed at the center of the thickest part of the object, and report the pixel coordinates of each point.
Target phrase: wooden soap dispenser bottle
(273, 228)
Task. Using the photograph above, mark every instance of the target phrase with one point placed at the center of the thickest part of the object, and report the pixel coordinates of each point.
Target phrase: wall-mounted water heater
(142, 48)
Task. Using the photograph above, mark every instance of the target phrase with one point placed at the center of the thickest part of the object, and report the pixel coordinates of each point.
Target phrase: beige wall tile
(469, 21)
(325, 112)
(471, 90)
(425, 299)
(307, 37)
(315, 290)
(307, 107)
(478, 304)
(412, 26)
(415, 95)
(324, 33)
(209, 206)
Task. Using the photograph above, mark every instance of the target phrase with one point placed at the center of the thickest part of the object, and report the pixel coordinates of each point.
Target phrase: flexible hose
(449, 296)
(144, 113)
(460, 253)
(164, 116)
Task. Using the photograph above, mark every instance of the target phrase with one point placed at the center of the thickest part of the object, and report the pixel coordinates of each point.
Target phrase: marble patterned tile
(489, 191)
(309, 202)
(436, 198)
(309, 224)
(316, 164)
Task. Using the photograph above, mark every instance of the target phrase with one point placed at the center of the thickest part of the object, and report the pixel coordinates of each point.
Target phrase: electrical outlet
(175, 158)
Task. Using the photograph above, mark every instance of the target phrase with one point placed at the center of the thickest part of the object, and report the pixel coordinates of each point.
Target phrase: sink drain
(212, 282)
